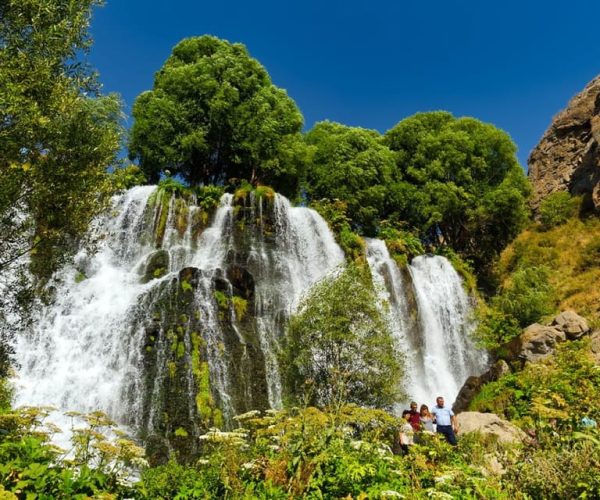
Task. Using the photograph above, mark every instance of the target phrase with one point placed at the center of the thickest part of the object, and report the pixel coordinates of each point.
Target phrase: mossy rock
(157, 265)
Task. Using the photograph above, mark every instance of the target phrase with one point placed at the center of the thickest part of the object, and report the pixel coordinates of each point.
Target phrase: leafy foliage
(309, 453)
(58, 134)
(563, 388)
(213, 115)
(557, 209)
(339, 348)
(350, 164)
(32, 468)
(569, 254)
(127, 177)
(459, 182)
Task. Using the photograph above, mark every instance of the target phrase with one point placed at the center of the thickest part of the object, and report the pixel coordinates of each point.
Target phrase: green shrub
(339, 347)
(127, 177)
(558, 208)
(528, 296)
(494, 327)
(209, 197)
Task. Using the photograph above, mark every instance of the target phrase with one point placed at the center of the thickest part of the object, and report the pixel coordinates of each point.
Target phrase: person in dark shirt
(415, 417)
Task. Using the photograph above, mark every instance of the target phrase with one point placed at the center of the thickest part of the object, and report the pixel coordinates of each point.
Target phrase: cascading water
(173, 324)
(148, 325)
(429, 316)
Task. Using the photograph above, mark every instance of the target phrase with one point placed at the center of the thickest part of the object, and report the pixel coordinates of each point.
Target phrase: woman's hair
(424, 407)
(405, 412)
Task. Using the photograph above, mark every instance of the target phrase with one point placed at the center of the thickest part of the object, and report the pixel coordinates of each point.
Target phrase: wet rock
(568, 155)
(190, 275)
(572, 324)
(157, 264)
(489, 424)
(241, 280)
(535, 343)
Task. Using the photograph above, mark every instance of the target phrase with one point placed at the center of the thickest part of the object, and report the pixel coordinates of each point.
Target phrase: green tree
(459, 183)
(57, 133)
(213, 115)
(350, 164)
(339, 348)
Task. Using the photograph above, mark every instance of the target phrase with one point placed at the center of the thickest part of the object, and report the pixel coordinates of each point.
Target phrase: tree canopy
(214, 114)
(57, 133)
(461, 184)
(350, 164)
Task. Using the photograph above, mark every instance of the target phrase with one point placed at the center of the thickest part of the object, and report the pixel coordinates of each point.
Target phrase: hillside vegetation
(570, 252)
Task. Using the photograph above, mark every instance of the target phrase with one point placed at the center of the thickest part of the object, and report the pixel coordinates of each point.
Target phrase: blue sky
(370, 64)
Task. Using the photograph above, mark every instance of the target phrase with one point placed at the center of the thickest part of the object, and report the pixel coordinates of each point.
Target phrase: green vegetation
(458, 181)
(31, 468)
(339, 348)
(214, 115)
(568, 255)
(350, 164)
(309, 453)
(557, 209)
(58, 134)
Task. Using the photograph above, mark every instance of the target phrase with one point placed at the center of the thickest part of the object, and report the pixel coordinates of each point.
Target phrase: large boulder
(572, 324)
(568, 156)
(535, 343)
(490, 424)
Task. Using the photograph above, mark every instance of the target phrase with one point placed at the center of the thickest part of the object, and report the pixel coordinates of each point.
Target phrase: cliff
(568, 157)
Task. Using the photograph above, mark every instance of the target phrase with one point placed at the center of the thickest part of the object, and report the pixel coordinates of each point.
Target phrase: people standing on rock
(415, 417)
(426, 419)
(406, 432)
(445, 421)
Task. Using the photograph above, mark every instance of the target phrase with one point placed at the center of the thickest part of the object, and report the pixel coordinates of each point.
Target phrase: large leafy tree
(339, 347)
(461, 184)
(57, 133)
(350, 164)
(213, 115)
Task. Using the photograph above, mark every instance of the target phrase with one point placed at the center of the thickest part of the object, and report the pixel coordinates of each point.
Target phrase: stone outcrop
(572, 324)
(473, 385)
(535, 343)
(489, 424)
(568, 156)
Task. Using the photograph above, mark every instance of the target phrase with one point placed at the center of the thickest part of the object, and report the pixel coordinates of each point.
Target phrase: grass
(572, 253)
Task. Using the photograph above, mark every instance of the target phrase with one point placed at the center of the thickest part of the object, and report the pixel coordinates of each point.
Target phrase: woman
(426, 418)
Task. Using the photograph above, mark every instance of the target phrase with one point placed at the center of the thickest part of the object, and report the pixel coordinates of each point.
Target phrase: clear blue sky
(370, 64)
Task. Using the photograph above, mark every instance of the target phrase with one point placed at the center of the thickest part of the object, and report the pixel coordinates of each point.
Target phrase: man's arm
(454, 423)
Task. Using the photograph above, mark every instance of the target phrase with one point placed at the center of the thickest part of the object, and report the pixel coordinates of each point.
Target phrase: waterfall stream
(133, 322)
(429, 316)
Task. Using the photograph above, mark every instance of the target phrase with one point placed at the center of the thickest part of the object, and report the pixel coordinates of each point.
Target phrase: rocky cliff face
(568, 156)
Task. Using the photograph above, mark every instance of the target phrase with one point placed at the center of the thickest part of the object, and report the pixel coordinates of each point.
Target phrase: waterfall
(174, 321)
(429, 316)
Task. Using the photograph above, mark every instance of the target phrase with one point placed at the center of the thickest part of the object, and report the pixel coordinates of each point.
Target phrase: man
(415, 417)
(445, 421)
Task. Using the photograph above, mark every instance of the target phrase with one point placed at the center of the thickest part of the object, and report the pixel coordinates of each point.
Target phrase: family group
(440, 419)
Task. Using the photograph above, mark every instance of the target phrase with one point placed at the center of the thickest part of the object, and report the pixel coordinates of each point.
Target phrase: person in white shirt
(445, 421)
(406, 432)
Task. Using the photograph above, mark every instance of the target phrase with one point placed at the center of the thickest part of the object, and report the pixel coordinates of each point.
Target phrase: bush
(558, 208)
(339, 348)
(127, 177)
(528, 296)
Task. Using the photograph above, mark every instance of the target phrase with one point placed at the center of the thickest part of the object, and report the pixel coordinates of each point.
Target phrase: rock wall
(568, 156)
